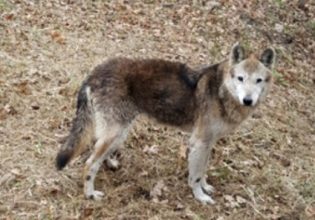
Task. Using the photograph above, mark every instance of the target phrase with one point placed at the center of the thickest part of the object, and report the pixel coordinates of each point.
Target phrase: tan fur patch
(251, 64)
(268, 78)
(101, 150)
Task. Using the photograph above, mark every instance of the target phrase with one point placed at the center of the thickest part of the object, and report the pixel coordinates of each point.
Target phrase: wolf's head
(248, 78)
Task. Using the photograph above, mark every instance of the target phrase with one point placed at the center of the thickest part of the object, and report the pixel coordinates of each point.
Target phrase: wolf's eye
(240, 78)
(259, 80)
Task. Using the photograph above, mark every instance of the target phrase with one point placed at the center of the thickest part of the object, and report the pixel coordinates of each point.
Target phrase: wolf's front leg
(197, 161)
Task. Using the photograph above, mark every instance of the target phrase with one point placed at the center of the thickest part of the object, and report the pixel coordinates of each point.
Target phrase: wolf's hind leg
(106, 142)
(113, 156)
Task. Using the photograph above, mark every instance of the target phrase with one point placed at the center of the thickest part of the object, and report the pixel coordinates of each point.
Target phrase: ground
(264, 170)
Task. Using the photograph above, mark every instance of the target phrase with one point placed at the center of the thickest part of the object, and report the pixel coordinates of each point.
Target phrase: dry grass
(263, 171)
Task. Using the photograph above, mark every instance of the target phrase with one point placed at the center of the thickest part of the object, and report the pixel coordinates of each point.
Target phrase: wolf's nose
(247, 101)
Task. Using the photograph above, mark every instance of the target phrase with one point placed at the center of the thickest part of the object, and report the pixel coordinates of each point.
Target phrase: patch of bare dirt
(265, 170)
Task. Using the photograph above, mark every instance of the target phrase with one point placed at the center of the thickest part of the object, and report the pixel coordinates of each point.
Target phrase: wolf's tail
(81, 133)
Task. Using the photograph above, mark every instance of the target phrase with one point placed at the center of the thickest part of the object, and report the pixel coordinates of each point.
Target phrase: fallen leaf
(231, 202)
(182, 152)
(10, 109)
(283, 160)
(23, 88)
(179, 207)
(157, 190)
(9, 16)
(55, 190)
(88, 211)
(16, 172)
(35, 106)
(310, 210)
(151, 150)
(57, 37)
(144, 173)
(8, 177)
(279, 28)
(240, 200)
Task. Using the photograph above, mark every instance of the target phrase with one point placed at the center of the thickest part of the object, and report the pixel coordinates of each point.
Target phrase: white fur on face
(249, 88)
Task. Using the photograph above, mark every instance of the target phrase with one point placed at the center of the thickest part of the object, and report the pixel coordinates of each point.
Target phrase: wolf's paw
(95, 195)
(201, 196)
(112, 163)
(206, 186)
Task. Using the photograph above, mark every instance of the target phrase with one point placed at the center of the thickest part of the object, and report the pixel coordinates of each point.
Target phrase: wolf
(209, 102)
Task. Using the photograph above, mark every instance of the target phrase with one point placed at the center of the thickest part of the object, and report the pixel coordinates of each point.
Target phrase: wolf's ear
(237, 54)
(268, 57)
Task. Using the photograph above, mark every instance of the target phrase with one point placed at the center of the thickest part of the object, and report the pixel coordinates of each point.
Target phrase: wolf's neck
(232, 111)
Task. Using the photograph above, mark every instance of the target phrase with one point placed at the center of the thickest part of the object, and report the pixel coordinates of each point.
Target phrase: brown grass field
(265, 170)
